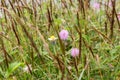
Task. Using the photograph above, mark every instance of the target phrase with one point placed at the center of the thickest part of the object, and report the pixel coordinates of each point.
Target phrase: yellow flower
(52, 38)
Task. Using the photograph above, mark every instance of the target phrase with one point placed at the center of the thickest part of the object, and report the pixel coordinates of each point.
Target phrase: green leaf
(1, 72)
(12, 68)
(113, 51)
(1, 59)
(86, 37)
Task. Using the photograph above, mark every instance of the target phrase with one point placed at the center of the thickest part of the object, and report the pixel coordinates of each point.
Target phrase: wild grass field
(59, 39)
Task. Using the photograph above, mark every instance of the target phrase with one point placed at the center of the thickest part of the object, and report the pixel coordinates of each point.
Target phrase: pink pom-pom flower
(110, 4)
(96, 5)
(63, 34)
(74, 52)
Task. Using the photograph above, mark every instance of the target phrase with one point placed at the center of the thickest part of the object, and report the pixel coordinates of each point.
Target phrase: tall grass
(27, 53)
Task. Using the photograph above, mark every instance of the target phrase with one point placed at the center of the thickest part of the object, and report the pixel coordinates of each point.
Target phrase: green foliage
(12, 68)
(26, 53)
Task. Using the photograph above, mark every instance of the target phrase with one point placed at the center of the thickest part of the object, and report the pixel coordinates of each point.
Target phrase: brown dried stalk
(75, 64)
(102, 35)
(81, 7)
(78, 29)
(89, 47)
(86, 4)
(4, 5)
(106, 30)
(15, 32)
(112, 18)
(71, 2)
(49, 19)
(12, 6)
(5, 52)
(29, 68)
(116, 15)
(64, 3)
(34, 10)
(23, 25)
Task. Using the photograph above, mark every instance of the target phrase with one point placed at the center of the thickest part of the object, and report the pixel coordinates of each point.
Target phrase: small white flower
(26, 69)
(63, 20)
(52, 38)
(69, 67)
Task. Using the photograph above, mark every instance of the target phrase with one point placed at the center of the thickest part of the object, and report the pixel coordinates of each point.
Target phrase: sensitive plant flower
(110, 4)
(63, 34)
(52, 38)
(96, 5)
(74, 52)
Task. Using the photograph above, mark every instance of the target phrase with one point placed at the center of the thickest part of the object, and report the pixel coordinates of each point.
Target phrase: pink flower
(110, 4)
(63, 34)
(74, 52)
(96, 5)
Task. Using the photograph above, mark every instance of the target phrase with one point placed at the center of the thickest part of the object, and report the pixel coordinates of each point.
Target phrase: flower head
(26, 69)
(96, 5)
(110, 4)
(63, 34)
(74, 52)
(52, 38)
